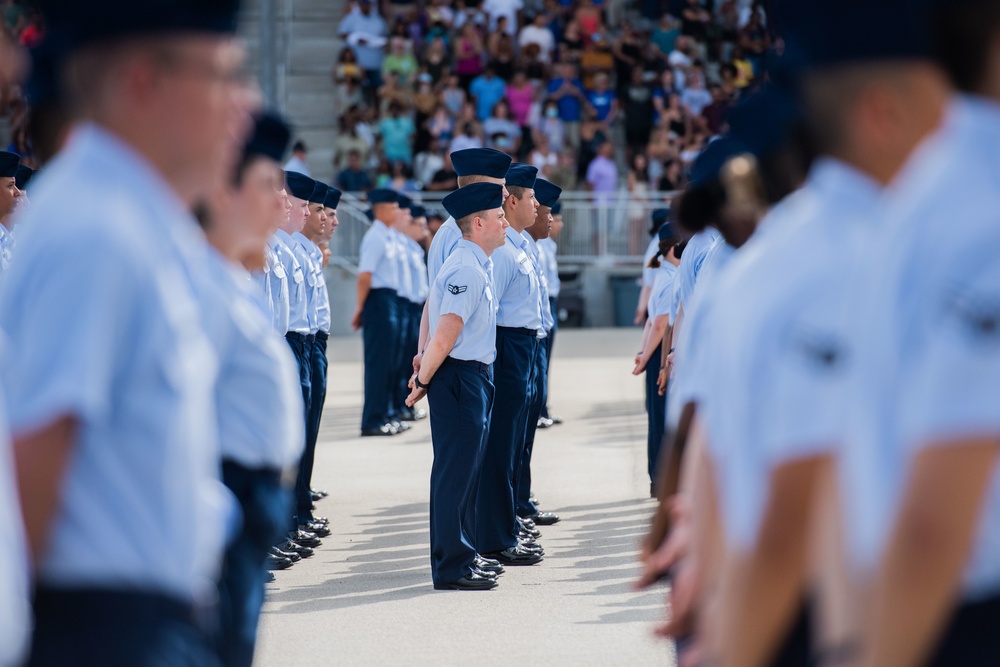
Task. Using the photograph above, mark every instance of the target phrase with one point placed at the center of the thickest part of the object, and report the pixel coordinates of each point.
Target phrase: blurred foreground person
(115, 433)
(920, 479)
(259, 407)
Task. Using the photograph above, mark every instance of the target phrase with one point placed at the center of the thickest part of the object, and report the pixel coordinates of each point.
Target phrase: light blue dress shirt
(380, 257)
(649, 273)
(663, 290)
(298, 290)
(272, 281)
(404, 273)
(928, 334)
(517, 286)
(690, 266)
(304, 252)
(15, 609)
(104, 325)
(776, 331)
(418, 284)
(536, 259)
(322, 292)
(465, 288)
(442, 245)
(258, 397)
(548, 250)
(6, 248)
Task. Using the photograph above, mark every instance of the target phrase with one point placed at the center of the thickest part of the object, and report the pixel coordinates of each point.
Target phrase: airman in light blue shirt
(465, 288)
(273, 282)
(14, 593)
(517, 285)
(380, 256)
(298, 289)
(158, 390)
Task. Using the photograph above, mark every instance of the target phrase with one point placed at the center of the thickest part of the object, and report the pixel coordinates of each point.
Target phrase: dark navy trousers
(302, 347)
(522, 487)
(93, 627)
(461, 399)
(970, 639)
(408, 344)
(549, 343)
(265, 503)
(496, 525)
(314, 415)
(381, 338)
(656, 409)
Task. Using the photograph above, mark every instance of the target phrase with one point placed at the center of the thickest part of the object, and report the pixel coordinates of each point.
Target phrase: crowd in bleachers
(559, 85)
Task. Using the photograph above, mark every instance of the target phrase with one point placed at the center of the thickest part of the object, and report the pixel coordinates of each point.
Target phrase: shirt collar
(476, 250)
(514, 237)
(849, 186)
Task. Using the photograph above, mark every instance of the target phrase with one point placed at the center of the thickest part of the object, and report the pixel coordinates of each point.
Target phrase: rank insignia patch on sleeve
(457, 289)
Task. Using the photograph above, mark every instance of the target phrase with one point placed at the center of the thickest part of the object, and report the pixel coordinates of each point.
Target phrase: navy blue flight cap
(764, 121)
(831, 33)
(269, 138)
(318, 195)
(332, 199)
(418, 211)
(480, 162)
(522, 175)
(8, 164)
(23, 176)
(557, 208)
(84, 23)
(299, 185)
(546, 193)
(473, 199)
(666, 231)
(404, 201)
(710, 162)
(382, 196)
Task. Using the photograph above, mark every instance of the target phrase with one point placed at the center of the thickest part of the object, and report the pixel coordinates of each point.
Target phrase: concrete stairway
(302, 48)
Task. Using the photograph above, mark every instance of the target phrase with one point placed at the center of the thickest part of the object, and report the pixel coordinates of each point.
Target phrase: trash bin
(625, 295)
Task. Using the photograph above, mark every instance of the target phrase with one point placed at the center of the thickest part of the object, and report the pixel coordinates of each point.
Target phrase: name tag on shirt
(297, 276)
(279, 272)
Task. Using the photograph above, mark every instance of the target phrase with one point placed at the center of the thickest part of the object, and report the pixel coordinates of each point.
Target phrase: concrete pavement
(366, 598)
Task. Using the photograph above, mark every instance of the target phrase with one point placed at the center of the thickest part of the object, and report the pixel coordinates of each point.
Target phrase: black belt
(477, 365)
(69, 604)
(322, 335)
(519, 332)
(301, 337)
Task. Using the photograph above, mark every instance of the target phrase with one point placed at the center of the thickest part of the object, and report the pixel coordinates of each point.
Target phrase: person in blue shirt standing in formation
(417, 287)
(547, 250)
(377, 313)
(271, 279)
(519, 335)
(402, 357)
(9, 196)
(126, 540)
(473, 165)
(303, 193)
(547, 195)
(648, 359)
(257, 393)
(456, 376)
(310, 258)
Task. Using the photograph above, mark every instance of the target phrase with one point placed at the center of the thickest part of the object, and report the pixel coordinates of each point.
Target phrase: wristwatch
(416, 381)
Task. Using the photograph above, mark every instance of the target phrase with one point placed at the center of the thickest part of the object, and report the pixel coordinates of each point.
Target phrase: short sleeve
(372, 251)
(66, 318)
(504, 271)
(463, 292)
(802, 369)
(955, 389)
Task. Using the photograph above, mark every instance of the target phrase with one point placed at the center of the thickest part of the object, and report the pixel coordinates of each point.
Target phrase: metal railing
(606, 228)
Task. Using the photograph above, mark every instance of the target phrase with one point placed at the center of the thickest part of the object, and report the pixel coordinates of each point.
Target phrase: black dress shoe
(543, 422)
(531, 548)
(269, 579)
(516, 556)
(400, 426)
(555, 420)
(304, 538)
(470, 582)
(528, 532)
(290, 555)
(488, 565)
(533, 500)
(383, 430)
(486, 574)
(296, 548)
(317, 529)
(545, 519)
(527, 523)
(318, 495)
(276, 563)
